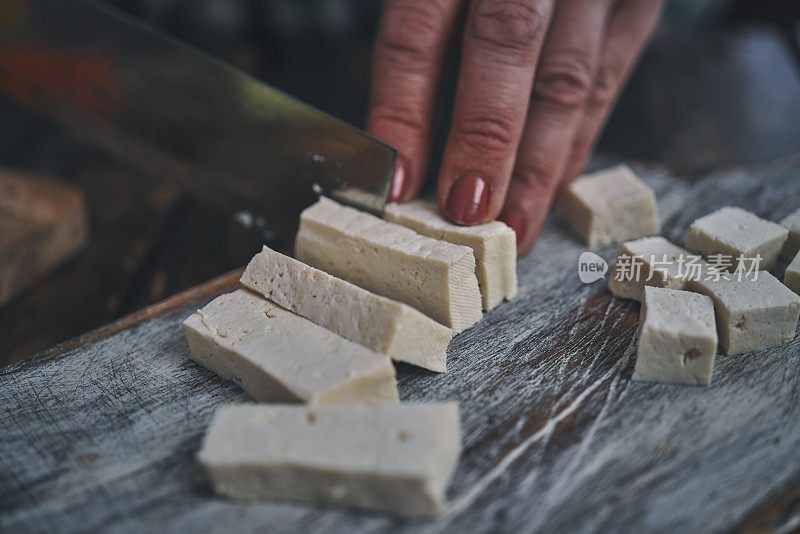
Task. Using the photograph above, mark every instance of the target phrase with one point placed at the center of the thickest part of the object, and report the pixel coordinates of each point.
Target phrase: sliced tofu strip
(433, 276)
(392, 457)
(381, 324)
(494, 245)
(277, 356)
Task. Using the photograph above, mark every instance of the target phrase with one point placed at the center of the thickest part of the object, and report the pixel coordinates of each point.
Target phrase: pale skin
(537, 82)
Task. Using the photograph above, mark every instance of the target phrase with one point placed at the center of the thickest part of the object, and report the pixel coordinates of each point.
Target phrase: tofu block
(677, 337)
(652, 261)
(791, 278)
(392, 457)
(792, 245)
(610, 206)
(433, 276)
(739, 236)
(494, 245)
(381, 324)
(277, 356)
(754, 311)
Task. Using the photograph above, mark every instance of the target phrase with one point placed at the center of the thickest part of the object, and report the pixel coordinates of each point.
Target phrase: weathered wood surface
(101, 433)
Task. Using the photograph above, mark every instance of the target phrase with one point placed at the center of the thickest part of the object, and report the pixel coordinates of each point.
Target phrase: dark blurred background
(719, 86)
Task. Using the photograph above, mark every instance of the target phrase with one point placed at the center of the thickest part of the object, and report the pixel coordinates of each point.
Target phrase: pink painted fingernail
(398, 186)
(468, 200)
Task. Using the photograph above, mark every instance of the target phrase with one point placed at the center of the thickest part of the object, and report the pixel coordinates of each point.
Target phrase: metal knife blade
(183, 115)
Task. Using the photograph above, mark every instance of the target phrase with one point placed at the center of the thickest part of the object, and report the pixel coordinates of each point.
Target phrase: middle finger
(502, 41)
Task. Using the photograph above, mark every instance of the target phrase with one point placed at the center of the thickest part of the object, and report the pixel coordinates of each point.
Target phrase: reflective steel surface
(185, 116)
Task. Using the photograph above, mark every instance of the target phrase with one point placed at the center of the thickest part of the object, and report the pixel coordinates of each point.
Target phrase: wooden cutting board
(101, 433)
(42, 222)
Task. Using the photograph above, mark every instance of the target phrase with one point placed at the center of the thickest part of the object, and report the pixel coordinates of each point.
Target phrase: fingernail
(467, 200)
(397, 189)
(515, 221)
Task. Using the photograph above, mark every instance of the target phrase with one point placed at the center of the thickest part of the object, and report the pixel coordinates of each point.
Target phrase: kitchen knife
(183, 115)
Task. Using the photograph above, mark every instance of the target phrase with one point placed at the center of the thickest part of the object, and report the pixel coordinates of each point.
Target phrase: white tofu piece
(433, 276)
(392, 457)
(754, 311)
(381, 324)
(738, 235)
(677, 337)
(277, 356)
(792, 245)
(791, 278)
(494, 245)
(610, 206)
(652, 261)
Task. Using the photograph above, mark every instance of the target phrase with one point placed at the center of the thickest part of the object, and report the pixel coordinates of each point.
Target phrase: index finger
(409, 52)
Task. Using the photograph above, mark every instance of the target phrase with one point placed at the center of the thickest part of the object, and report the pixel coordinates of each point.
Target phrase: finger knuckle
(605, 88)
(486, 132)
(510, 26)
(564, 80)
(410, 31)
(398, 112)
(538, 178)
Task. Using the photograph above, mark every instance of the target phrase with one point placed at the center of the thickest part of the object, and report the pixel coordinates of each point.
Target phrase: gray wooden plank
(556, 435)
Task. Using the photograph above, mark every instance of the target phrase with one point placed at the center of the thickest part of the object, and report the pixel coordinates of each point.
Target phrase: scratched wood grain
(101, 433)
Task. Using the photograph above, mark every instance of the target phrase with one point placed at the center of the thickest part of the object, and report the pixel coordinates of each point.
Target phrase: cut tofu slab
(433, 276)
(277, 356)
(677, 337)
(754, 311)
(610, 206)
(791, 278)
(739, 236)
(494, 245)
(392, 457)
(792, 245)
(381, 324)
(652, 261)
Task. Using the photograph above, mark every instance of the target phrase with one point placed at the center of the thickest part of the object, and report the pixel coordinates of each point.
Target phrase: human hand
(538, 79)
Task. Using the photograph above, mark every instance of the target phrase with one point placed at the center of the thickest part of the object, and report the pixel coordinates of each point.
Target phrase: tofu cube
(652, 261)
(677, 337)
(754, 311)
(791, 278)
(610, 206)
(792, 245)
(392, 457)
(739, 236)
